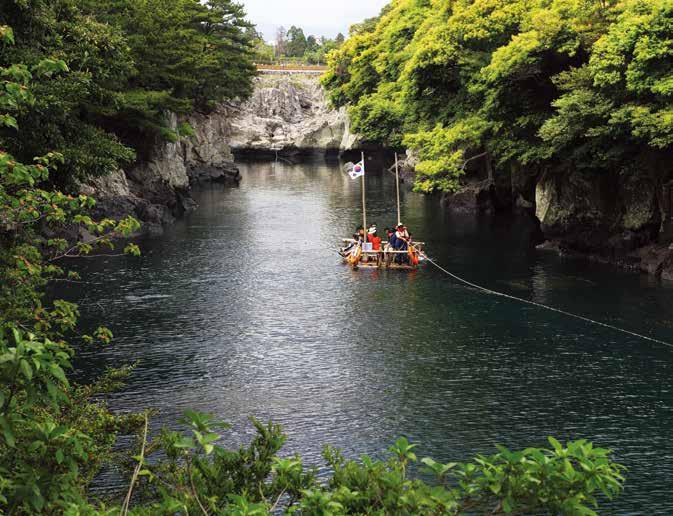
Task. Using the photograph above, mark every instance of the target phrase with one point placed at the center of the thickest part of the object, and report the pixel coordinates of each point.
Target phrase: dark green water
(244, 308)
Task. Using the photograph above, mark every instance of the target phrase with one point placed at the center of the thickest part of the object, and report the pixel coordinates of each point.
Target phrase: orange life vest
(413, 255)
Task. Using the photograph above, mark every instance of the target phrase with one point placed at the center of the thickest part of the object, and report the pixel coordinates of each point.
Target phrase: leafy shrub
(202, 476)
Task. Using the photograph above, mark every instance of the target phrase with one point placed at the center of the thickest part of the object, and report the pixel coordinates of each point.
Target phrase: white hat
(372, 230)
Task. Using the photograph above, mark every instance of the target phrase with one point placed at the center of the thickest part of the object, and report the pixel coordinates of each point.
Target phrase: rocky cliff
(622, 220)
(156, 189)
(614, 218)
(288, 114)
(598, 214)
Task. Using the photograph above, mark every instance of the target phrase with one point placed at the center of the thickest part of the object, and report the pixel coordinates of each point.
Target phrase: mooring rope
(545, 307)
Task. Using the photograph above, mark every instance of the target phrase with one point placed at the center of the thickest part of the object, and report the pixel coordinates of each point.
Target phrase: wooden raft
(385, 259)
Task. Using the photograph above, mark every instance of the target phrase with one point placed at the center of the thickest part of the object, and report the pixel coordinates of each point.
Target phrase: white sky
(318, 17)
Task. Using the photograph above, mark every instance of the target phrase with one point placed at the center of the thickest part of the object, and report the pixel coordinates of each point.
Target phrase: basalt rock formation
(617, 219)
(596, 215)
(156, 189)
(288, 114)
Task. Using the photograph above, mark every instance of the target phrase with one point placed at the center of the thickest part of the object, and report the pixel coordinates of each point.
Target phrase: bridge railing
(292, 67)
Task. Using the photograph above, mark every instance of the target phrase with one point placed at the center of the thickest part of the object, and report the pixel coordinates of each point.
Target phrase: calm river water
(244, 308)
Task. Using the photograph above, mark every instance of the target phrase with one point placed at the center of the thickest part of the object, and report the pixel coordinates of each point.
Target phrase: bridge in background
(292, 69)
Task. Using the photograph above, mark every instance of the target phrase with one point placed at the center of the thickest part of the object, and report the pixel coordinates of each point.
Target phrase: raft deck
(385, 259)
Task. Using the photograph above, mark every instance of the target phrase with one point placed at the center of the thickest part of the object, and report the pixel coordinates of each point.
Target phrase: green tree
(53, 437)
(211, 63)
(64, 115)
(126, 71)
(296, 42)
(548, 84)
(615, 109)
(312, 44)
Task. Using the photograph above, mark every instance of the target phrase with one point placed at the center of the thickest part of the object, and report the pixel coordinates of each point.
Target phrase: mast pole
(364, 204)
(397, 185)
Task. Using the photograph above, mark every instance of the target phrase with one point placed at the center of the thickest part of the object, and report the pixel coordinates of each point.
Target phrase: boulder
(653, 258)
(223, 173)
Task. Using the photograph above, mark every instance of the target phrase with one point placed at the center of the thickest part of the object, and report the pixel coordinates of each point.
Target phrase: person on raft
(373, 238)
(360, 234)
(402, 234)
(390, 234)
(402, 239)
(358, 239)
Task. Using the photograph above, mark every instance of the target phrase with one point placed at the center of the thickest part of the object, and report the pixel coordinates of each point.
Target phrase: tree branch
(191, 481)
(482, 155)
(134, 478)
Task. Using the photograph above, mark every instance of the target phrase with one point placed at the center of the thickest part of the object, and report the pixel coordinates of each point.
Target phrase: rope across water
(545, 307)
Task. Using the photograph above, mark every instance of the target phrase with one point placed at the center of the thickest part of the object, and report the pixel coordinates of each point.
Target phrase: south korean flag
(358, 170)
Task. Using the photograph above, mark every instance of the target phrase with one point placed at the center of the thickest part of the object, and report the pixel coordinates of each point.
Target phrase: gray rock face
(606, 217)
(115, 199)
(656, 260)
(287, 114)
(156, 190)
(210, 144)
(474, 197)
(593, 215)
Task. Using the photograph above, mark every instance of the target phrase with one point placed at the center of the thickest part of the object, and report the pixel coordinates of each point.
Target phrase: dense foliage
(545, 84)
(54, 437)
(129, 63)
(75, 78)
(202, 477)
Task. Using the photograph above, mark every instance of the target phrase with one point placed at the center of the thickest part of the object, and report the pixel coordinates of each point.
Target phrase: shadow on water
(244, 308)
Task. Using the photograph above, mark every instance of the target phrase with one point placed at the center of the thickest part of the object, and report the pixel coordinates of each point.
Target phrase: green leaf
(58, 373)
(26, 370)
(7, 432)
(6, 35)
(8, 121)
(557, 445)
(185, 442)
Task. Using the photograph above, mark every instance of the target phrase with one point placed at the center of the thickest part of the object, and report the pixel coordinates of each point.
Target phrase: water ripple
(244, 309)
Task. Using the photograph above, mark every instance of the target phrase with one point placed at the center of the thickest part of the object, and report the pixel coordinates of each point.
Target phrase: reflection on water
(245, 309)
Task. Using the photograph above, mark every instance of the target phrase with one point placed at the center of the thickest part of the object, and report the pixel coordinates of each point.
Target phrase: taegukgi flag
(358, 170)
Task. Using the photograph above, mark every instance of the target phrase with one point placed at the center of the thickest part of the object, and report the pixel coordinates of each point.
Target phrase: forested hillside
(128, 63)
(547, 85)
